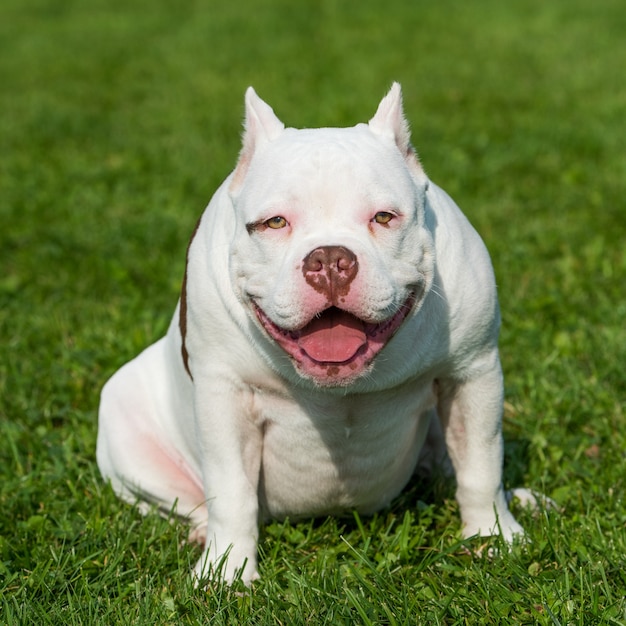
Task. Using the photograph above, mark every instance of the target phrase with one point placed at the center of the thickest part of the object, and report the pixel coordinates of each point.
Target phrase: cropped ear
(389, 121)
(260, 126)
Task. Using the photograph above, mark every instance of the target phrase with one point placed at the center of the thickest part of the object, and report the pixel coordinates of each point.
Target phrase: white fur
(247, 433)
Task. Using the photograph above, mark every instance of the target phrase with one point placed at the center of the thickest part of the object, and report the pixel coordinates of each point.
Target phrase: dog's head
(331, 255)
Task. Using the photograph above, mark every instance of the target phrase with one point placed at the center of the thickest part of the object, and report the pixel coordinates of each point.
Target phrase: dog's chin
(335, 347)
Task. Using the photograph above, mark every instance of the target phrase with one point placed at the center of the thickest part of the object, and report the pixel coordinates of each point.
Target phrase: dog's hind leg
(147, 463)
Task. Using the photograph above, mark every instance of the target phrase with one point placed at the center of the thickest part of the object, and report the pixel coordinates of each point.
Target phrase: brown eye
(382, 217)
(276, 222)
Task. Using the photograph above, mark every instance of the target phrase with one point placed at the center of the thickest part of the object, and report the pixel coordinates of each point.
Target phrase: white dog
(336, 305)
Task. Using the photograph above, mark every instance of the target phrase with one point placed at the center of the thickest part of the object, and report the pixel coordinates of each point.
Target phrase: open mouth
(335, 345)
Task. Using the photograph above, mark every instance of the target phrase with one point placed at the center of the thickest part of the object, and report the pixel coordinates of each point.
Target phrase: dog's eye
(383, 217)
(277, 221)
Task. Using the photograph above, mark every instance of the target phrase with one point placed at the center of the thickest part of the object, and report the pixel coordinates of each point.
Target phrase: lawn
(118, 120)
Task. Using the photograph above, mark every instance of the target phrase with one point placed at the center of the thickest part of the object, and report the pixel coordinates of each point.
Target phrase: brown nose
(330, 270)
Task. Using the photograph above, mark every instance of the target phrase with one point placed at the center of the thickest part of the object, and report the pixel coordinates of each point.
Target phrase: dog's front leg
(231, 446)
(471, 414)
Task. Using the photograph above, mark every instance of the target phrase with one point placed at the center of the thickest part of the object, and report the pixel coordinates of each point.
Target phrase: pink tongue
(334, 337)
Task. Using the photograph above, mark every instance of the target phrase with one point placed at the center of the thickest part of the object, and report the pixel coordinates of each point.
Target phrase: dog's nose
(330, 270)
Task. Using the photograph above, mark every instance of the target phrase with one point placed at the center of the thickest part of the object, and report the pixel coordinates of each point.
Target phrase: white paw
(531, 499)
(228, 568)
(504, 525)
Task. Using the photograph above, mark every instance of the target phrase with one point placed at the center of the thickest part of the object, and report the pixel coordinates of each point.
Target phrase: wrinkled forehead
(330, 161)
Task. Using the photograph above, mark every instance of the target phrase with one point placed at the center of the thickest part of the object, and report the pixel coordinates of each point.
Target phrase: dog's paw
(198, 535)
(503, 524)
(531, 499)
(229, 568)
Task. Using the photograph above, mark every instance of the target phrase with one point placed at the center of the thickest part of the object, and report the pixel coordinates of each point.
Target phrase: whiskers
(435, 291)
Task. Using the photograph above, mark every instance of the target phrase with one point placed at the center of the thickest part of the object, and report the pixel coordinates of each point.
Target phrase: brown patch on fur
(182, 313)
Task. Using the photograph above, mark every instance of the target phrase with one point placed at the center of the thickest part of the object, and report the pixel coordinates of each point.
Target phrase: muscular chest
(326, 454)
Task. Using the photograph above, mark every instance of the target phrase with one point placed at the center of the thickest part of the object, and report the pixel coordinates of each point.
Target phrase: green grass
(117, 122)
